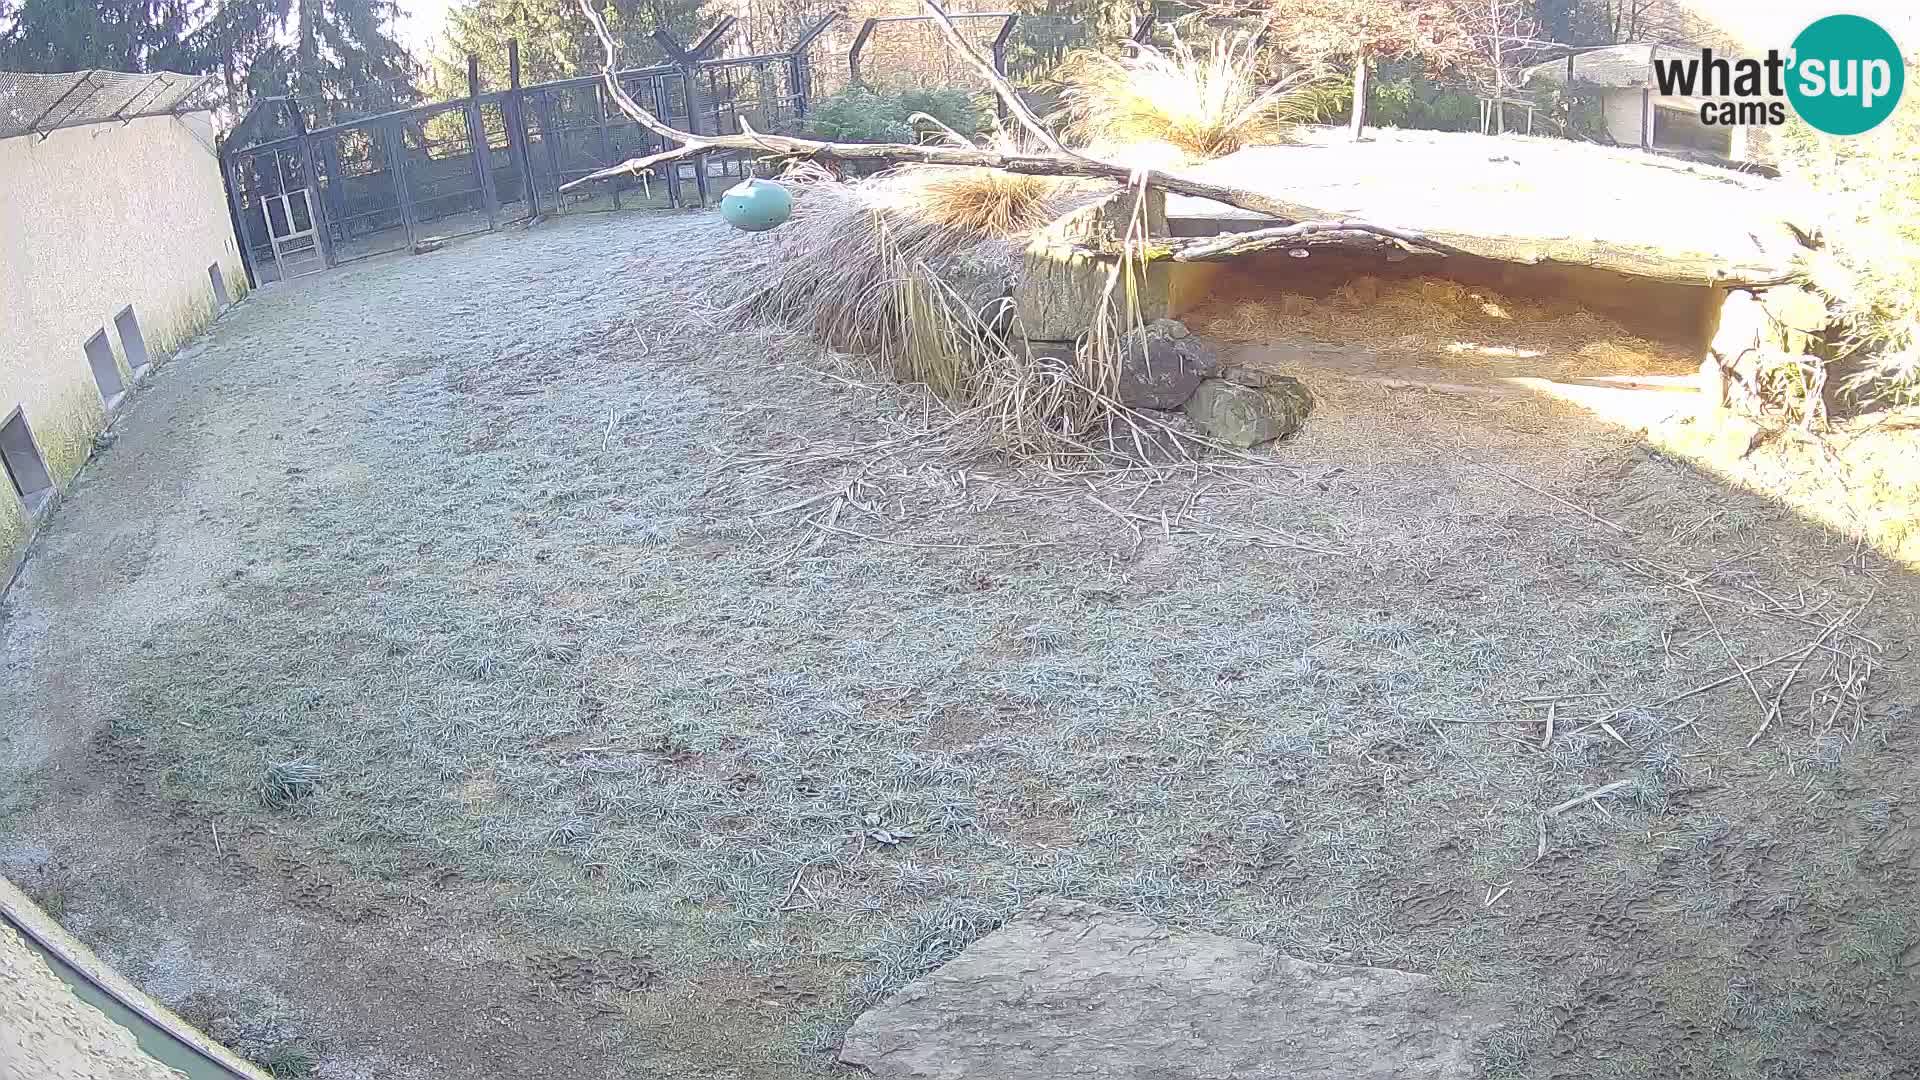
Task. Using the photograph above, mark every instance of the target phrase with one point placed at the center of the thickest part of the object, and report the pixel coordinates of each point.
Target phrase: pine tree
(337, 57)
(556, 41)
(115, 35)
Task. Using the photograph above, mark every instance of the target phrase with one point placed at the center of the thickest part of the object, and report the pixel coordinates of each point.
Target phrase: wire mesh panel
(909, 53)
(1040, 42)
(46, 103)
(571, 141)
(441, 172)
(759, 90)
(360, 191)
(274, 209)
(503, 162)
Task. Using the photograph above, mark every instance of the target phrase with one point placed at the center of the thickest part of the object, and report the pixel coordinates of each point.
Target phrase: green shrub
(1401, 101)
(860, 114)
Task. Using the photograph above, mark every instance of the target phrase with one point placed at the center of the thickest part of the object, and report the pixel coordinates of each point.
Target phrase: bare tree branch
(1007, 94)
(1296, 223)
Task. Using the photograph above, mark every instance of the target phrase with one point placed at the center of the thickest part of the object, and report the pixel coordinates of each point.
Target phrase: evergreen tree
(117, 35)
(556, 40)
(337, 57)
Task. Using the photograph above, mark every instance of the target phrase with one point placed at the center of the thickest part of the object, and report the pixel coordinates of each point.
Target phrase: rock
(1246, 376)
(1070, 990)
(1796, 318)
(982, 277)
(1160, 370)
(1729, 374)
(1245, 415)
(1060, 357)
(1172, 328)
(1065, 268)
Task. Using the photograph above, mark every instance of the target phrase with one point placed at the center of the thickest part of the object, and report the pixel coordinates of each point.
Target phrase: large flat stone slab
(1071, 990)
(1506, 199)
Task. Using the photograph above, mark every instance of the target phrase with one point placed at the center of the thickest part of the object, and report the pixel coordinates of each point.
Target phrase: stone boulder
(1164, 365)
(1247, 376)
(1244, 416)
(1067, 264)
(1071, 990)
(982, 277)
(1797, 319)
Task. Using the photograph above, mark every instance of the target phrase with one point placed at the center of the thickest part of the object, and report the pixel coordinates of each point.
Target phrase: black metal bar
(712, 38)
(316, 205)
(553, 150)
(669, 173)
(86, 79)
(674, 50)
(690, 90)
(514, 112)
(814, 31)
(859, 43)
(231, 170)
(397, 165)
(477, 144)
(606, 148)
(335, 188)
(1000, 43)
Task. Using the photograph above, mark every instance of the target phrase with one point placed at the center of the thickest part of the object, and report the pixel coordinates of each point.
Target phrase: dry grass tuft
(854, 266)
(909, 268)
(986, 201)
(995, 204)
(1208, 102)
(1868, 190)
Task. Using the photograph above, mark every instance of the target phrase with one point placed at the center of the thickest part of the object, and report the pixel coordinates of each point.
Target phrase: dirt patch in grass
(624, 759)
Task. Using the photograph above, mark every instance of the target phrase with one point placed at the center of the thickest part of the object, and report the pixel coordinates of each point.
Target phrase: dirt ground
(482, 664)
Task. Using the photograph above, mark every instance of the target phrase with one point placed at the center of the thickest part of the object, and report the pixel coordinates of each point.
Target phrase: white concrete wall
(93, 219)
(1620, 111)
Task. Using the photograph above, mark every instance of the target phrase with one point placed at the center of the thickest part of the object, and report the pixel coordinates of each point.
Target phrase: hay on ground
(1439, 319)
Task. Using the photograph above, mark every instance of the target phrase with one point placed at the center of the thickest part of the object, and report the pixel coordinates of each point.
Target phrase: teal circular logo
(1846, 76)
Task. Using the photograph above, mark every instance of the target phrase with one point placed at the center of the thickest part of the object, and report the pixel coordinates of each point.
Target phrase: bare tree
(1498, 34)
(1362, 32)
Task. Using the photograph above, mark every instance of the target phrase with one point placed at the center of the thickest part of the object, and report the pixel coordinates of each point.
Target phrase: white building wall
(1620, 111)
(93, 219)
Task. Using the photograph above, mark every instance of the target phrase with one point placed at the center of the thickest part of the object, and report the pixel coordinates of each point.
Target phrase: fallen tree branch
(1316, 225)
(1057, 162)
(1233, 245)
(958, 42)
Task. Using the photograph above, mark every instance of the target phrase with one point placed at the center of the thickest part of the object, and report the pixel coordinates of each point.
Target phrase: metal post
(1000, 45)
(801, 68)
(553, 150)
(477, 143)
(606, 141)
(1000, 56)
(690, 80)
(514, 109)
(396, 140)
(859, 43)
(317, 206)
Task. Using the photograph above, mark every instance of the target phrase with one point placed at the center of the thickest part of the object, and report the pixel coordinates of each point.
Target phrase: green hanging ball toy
(755, 205)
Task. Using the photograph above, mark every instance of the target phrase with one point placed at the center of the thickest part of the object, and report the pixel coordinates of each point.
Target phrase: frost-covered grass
(523, 585)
